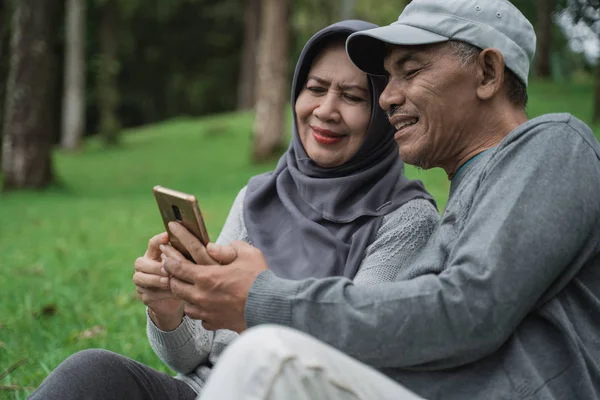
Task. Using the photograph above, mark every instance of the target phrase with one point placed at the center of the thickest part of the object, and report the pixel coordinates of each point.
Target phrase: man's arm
(536, 208)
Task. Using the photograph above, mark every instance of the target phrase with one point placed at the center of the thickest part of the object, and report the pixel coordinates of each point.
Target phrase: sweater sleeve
(401, 236)
(535, 212)
(190, 345)
(234, 227)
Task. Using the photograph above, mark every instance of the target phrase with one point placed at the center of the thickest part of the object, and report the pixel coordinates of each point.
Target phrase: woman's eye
(353, 98)
(316, 89)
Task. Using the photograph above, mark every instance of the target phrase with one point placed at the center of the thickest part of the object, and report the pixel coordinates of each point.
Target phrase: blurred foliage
(182, 57)
(587, 11)
(380, 12)
(175, 58)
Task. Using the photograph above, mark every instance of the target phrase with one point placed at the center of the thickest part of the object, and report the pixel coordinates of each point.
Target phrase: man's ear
(490, 65)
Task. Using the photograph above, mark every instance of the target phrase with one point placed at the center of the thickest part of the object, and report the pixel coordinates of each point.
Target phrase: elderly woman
(338, 204)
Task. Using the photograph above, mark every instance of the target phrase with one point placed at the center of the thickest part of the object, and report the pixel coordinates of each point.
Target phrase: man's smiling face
(431, 99)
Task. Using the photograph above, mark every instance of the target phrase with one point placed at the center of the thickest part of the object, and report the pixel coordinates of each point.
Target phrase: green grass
(67, 254)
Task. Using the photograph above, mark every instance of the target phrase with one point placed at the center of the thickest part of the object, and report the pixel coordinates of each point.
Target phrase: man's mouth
(405, 122)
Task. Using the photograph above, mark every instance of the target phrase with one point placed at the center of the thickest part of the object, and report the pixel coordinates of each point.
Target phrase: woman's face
(333, 109)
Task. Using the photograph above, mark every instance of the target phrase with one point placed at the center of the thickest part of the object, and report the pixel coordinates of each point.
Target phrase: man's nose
(392, 96)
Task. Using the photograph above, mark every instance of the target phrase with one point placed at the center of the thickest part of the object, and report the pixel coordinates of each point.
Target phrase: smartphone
(183, 208)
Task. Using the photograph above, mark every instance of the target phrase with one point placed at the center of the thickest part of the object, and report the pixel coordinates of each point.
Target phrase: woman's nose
(327, 109)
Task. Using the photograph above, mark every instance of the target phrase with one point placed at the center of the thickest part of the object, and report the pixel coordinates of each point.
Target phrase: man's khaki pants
(276, 363)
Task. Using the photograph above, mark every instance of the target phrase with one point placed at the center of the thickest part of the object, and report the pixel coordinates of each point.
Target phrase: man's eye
(411, 73)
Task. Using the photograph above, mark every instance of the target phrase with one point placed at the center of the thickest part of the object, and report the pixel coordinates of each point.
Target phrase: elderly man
(504, 301)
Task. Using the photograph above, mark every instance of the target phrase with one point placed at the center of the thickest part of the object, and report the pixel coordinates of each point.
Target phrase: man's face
(431, 99)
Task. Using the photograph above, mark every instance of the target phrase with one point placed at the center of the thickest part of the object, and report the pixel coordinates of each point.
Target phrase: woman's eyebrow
(346, 87)
(355, 87)
(318, 79)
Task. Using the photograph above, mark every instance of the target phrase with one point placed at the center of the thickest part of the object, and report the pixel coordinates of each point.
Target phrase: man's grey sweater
(504, 300)
(191, 350)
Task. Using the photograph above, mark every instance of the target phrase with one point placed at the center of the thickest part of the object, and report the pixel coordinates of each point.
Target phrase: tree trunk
(271, 83)
(108, 69)
(28, 120)
(4, 55)
(596, 118)
(543, 29)
(73, 110)
(247, 78)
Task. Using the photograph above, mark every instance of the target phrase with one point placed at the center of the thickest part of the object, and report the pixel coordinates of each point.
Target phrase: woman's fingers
(153, 251)
(171, 252)
(150, 274)
(149, 266)
(150, 281)
(150, 296)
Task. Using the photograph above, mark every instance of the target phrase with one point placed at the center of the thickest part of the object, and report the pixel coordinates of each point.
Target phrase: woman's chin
(326, 160)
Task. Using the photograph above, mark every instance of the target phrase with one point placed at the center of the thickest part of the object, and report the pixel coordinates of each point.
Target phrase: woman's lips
(325, 136)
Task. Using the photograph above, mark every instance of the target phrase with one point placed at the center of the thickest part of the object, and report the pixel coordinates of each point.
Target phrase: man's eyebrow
(342, 86)
(411, 55)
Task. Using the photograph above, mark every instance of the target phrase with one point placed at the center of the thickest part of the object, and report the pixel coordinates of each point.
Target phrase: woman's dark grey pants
(100, 374)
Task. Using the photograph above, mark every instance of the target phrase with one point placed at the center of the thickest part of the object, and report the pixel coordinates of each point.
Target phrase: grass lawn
(67, 254)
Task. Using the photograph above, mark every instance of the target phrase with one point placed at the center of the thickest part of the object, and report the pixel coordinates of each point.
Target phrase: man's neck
(490, 131)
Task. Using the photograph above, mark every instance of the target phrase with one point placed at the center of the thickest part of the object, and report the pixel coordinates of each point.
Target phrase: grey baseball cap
(481, 23)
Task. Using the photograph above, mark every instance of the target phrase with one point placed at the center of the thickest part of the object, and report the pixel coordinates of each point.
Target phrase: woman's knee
(94, 361)
(86, 371)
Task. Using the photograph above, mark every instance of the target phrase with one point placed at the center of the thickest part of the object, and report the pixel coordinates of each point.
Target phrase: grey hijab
(311, 221)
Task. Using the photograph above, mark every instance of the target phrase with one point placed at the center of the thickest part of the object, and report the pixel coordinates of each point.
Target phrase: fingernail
(164, 281)
(212, 247)
(162, 269)
(162, 247)
(163, 256)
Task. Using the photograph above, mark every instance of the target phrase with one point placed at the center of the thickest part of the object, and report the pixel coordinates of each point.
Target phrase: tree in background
(271, 80)
(29, 121)
(73, 104)
(172, 58)
(588, 11)
(311, 16)
(4, 56)
(543, 28)
(247, 76)
(107, 70)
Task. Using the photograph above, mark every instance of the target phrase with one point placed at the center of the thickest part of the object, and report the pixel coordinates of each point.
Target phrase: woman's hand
(152, 285)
